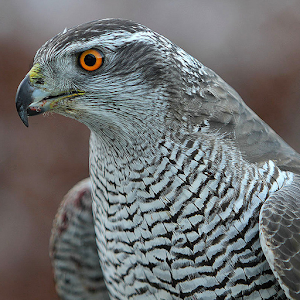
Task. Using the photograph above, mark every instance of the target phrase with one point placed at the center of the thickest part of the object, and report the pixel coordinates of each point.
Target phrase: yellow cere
(35, 73)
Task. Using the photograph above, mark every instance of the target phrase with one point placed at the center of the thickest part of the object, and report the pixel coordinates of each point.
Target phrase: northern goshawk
(194, 196)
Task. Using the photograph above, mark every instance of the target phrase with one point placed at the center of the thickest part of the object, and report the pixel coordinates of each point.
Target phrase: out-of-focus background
(253, 45)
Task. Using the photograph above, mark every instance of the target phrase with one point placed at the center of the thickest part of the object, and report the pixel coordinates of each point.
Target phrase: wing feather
(279, 227)
(73, 249)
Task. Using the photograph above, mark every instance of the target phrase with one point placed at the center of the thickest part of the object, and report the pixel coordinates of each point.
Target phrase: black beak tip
(22, 112)
(24, 99)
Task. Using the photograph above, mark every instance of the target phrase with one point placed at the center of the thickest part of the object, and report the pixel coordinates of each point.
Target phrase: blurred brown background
(253, 45)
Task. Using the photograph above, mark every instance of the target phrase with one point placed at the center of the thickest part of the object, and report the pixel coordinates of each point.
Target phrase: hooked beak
(24, 99)
(32, 100)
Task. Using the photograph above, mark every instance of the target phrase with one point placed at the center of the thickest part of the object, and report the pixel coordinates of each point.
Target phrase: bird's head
(109, 74)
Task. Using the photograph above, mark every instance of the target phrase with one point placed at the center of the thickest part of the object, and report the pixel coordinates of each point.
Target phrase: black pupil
(90, 60)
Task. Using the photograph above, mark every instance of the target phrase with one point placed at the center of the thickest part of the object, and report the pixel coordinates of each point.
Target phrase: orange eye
(91, 60)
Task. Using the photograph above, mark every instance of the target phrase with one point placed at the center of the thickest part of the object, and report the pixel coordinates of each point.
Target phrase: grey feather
(73, 250)
(280, 236)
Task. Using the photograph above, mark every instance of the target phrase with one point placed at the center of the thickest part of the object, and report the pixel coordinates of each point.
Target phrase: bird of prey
(193, 195)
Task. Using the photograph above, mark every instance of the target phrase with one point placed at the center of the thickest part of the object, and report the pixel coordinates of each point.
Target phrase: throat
(125, 146)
